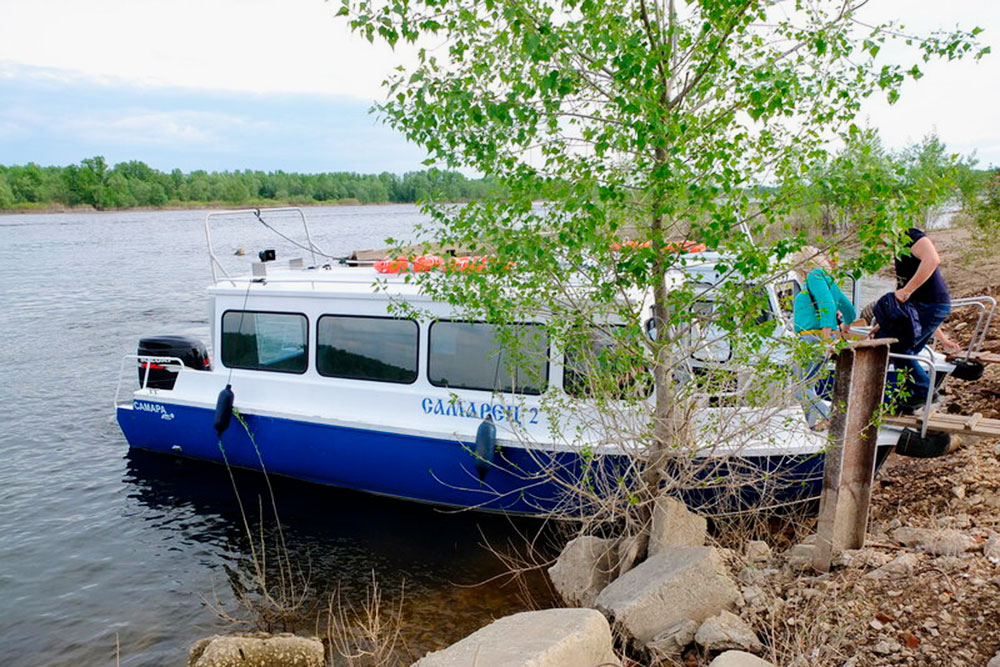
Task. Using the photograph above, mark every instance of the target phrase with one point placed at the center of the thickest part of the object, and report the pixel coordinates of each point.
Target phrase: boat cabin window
(471, 355)
(264, 341)
(367, 348)
(706, 340)
(597, 362)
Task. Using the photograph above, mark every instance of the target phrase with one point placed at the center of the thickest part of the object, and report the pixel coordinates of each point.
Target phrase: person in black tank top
(919, 281)
(918, 276)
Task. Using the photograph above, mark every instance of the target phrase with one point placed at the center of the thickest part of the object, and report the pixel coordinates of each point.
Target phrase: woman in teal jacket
(814, 315)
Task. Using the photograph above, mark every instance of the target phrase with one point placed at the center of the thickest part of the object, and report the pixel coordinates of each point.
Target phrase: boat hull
(441, 471)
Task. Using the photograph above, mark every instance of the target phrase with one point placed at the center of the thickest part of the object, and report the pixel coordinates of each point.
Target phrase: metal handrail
(148, 359)
(930, 387)
(214, 260)
(982, 327)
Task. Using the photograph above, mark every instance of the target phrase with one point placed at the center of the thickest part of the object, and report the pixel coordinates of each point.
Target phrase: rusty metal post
(850, 456)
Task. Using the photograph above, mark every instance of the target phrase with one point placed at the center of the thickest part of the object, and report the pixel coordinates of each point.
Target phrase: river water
(108, 555)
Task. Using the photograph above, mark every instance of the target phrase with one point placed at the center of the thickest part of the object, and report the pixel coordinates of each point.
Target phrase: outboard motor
(190, 351)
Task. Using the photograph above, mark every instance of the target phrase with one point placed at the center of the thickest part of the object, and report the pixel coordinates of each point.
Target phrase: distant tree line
(129, 184)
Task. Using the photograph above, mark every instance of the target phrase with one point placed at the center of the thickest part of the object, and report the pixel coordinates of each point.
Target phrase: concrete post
(850, 457)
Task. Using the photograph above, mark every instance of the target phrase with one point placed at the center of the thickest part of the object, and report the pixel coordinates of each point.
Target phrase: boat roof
(283, 278)
(347, 280)
(321, 274)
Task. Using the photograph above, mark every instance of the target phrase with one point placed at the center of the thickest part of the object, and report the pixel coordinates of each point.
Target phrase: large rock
(584, 567)
(727, 631)
(673, 525)
(548, 638)
(800, 556)
(861, 558)
(677, 584)
(739, 659)
(946, 542)
(257, 650)
(995, 660)
(631, 550)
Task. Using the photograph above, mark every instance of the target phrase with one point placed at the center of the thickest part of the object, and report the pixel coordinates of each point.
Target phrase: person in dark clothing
(919, 282)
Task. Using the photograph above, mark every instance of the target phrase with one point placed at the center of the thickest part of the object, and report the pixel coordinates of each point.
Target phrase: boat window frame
(729, 346)
(787, 315)
(222, 334)
(416, 365)
(548, 361)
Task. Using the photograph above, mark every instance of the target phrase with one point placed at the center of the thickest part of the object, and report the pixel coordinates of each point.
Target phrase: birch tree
(656, 121)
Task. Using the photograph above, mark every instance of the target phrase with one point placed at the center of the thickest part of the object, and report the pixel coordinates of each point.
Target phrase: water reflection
(339, 539)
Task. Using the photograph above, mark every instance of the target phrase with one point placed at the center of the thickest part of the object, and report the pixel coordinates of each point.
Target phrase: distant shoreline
(189, 206)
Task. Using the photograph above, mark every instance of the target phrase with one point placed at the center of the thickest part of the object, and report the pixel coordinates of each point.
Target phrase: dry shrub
(368, 634)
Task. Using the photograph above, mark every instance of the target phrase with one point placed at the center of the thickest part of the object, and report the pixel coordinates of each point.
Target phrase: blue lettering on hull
(473, 410)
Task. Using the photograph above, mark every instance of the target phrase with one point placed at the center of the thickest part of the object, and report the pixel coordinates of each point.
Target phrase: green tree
(933, 175)
(851, 186)
(231, 190)
(656, 120)
(26, 183)
(6, 193)
(986, 216)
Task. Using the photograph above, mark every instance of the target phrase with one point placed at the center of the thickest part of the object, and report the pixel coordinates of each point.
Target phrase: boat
(318, 376)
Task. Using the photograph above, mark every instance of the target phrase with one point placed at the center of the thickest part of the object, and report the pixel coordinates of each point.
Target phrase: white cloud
(177, 129)
(955, 99)
(298, 46)
(234, 45)
(11, 130)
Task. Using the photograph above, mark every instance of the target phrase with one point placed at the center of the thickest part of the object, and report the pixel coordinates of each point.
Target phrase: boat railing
(146, 362)
(987, 306)
(217, 267)
(307, 280)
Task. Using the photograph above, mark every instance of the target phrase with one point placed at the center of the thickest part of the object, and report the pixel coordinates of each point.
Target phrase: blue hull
(429, 470)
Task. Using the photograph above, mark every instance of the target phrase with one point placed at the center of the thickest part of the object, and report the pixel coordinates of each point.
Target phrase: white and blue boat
(331, 384)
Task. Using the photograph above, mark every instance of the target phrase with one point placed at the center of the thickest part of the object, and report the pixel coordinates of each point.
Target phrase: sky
(263, 84)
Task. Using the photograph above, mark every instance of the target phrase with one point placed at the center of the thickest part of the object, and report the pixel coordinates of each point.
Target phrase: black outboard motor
(189, 350)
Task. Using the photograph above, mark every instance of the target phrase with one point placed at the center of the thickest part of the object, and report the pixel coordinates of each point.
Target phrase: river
(107, 555)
